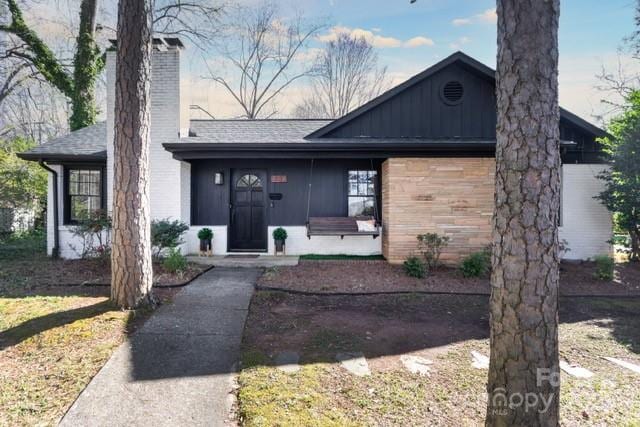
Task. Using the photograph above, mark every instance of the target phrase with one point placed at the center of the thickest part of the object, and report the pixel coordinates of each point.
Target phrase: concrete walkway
(178, 368)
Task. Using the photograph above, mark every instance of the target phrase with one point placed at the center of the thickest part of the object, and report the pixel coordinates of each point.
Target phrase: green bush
(477, 264)
(205, 234)
(279, 234)
(95, 234)
(604, 267)
(415, 267)
(166, 234)
(430, 246)
(175, 262)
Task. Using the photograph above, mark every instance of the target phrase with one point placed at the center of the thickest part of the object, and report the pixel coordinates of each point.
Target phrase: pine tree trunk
(523, 382)
(131, 255)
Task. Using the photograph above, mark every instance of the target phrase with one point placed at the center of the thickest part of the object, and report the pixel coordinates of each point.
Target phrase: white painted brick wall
(170, 179)
(299, 244)
(192, 243)
(586, 223)
(169, 191)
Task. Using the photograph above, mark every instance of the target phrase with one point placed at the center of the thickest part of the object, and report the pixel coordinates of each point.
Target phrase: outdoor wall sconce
(218, 178)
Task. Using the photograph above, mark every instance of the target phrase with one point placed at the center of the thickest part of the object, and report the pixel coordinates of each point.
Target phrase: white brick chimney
(170, 178)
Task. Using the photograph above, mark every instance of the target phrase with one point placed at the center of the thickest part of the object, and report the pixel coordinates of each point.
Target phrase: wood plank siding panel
(210, 202)
(421, 112)
(452, 197)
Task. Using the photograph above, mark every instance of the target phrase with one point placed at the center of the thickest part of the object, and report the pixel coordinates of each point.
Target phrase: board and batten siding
(421, 112)
(329, 192)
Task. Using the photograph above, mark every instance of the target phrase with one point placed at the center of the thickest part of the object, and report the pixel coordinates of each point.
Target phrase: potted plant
(279, 236)
(206, 236)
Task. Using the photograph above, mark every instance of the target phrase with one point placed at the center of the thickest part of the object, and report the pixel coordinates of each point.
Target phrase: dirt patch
(441, 328)
(347, 276)
(43, 271)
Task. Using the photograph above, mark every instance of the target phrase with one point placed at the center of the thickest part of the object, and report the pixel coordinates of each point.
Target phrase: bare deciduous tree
(345, 75)
(261, 47)
(523, 386)
(131, 267)
(76, 78)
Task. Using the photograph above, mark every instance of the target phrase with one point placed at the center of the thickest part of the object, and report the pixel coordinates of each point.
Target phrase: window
(362, 187)
(84, 193)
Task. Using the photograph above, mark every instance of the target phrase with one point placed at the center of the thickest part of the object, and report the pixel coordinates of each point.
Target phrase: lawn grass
(385, 327)
(319, 257)
(53, 339)
(52, 347)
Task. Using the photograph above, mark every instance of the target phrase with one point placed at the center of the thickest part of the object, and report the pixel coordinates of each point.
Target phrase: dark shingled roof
(88, 143)
(253, 131)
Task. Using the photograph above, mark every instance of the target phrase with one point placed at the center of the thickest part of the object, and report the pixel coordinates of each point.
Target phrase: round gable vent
(452, 92)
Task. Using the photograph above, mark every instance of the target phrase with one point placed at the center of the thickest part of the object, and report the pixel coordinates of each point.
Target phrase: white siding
(586, 223)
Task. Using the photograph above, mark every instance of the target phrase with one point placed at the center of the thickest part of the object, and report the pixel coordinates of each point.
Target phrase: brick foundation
(448, 196)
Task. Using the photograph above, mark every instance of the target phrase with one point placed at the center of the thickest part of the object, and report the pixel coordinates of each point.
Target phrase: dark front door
(248, 210)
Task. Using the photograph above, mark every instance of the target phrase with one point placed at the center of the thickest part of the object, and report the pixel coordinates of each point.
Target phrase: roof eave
(192, 151)
(57, 158)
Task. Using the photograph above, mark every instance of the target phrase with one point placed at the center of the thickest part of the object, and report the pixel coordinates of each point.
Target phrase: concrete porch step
(248, 261)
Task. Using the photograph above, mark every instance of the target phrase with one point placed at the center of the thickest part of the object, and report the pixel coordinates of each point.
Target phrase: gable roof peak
(456, 57)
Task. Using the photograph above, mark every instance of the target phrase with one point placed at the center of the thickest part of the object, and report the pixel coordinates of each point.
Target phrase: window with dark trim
(84, 193)
(362, 187)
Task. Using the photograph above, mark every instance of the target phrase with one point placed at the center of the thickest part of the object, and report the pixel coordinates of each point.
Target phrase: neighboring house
(419, 158)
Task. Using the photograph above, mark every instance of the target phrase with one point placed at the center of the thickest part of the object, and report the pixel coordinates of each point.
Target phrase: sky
(412, 37)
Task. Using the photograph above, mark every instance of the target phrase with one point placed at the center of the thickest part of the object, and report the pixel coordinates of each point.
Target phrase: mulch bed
(359, 276)
(48, 272)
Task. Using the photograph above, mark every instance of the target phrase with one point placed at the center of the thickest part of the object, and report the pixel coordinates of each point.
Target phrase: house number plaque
(278, 179)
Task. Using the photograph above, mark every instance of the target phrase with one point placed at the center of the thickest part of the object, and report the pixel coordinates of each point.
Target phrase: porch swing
(340, 226)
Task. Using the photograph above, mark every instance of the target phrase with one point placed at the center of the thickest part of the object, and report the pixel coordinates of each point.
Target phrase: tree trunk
(87, 66)
(635, 245)
(523, 384)
(131, 255)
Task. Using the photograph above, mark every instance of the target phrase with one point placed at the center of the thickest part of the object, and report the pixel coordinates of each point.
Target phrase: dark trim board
(332, 150)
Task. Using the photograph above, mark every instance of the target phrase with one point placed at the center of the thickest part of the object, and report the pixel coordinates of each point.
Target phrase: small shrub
(95, 235)
(166, 234)
(279, 234)
(478, 264)
(604, 267)
(175, 262)
(415, 267)
(430, 246)
(205, 234)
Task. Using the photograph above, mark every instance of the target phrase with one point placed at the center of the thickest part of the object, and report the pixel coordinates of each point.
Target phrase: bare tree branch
(345, 76)
(262, 49)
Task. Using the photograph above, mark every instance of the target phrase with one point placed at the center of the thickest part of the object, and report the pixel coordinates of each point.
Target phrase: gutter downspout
(55, 251)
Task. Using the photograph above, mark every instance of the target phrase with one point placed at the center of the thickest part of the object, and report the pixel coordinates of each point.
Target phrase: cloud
(375, 38)
(490, 16)
(459, 42)
(418, 41)
(461, 21)
(487, 17)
